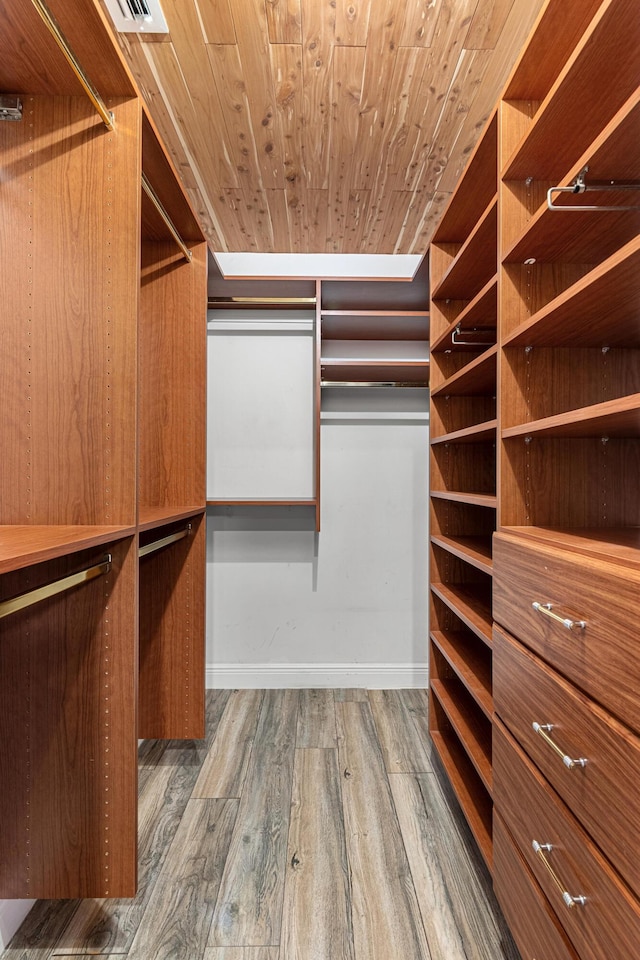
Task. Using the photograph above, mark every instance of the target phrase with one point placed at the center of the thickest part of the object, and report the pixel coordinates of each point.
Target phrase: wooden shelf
(348, 371)
(470, 791)
(614, 418)
(473, 550)
(618, 544)
(474, 191)
(470, 605)
(477, 499)
(151, 517)
(479, 433)
(479, 312)
(475, 263)
(606, 59)
(474, 733)
(599, 310)
(471, 663)
(23, 545)
(476, 378)
(256, 502)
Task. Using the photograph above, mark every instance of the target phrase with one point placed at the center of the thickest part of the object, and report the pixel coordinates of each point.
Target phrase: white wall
(347, 607)
(12, 913)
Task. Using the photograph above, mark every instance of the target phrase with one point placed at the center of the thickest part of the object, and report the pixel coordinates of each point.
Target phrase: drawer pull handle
(547, 610)
(544, 729)
(570, 901)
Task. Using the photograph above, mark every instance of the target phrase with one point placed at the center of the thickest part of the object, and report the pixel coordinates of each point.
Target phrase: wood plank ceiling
(325, 125)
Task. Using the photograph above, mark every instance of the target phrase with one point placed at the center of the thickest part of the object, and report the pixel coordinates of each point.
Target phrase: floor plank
(317, 901)
(403, 748)
(455, 895)
(416, 700)
(349, 694)
(39, 933)
(225, 766)
(177, 922)
(386, 919)
(249, 907)
(316, 719)
(241, 953)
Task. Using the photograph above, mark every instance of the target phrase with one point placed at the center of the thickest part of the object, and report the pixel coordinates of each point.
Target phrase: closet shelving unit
(463, 478)
(564, 362)
(93, 415)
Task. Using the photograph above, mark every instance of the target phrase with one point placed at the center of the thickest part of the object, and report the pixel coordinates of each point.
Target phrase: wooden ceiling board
(325, 125)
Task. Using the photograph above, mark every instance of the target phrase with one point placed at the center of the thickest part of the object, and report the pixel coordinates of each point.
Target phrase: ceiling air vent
(137, 16)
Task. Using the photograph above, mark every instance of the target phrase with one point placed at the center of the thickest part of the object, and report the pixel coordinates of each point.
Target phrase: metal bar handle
(105, 114)
(164, 542)
(8, 607)
(155, 200)
(547, 610)
(544, 729)
(570, 901)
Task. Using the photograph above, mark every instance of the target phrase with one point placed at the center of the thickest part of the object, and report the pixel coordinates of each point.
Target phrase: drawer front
(604, 793)
(608, 923)
(602, 659)
(535, 927)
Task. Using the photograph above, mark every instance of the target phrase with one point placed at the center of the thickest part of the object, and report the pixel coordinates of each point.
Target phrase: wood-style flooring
(309, 825)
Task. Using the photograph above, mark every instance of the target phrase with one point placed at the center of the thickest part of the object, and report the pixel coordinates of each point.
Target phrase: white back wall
(346, 607)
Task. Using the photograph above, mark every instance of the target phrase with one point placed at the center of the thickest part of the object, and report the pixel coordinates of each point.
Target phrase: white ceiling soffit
(137, 16)
(289, 266)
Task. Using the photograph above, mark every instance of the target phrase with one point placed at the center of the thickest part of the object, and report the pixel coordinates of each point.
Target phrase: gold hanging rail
(8, 607)
(88, 87)
(164, 542)
(150, 192)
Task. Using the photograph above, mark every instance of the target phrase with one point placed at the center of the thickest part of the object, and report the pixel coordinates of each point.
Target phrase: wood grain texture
(249, 907)
(443, 862)
(317, 897)
(386, 919)
(389, 101)
(403, 749)
(225, 767)
(241, 953)
(188, 884)
(316, 719)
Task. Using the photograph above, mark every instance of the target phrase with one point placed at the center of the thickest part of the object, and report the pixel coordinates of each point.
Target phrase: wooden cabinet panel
(602, 658)
(603, 794)
(608, 923)
(535, 928)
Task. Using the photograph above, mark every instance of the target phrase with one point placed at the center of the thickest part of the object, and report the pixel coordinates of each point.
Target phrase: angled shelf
(473, 550)
(477, 315)
(614, 418)
(473, 732)
(473, 265)
(24, 545)
(478, 377)
(469, 604)
(471, 663)
(478, 433)
(476, 499)
(151, 517)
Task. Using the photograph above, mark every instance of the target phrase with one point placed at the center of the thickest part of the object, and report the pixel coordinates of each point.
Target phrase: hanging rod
(53, 28)
(164, 542)
(52, 589)
(150, 192)
(458, 332)
(580, 185)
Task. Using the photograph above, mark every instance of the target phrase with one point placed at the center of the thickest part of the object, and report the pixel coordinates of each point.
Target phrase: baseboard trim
(274, 676)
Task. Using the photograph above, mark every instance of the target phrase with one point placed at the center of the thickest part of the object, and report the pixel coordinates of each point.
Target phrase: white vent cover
(137, 16)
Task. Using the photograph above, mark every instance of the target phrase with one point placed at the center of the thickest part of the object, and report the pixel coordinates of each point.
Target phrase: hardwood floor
(309, 825)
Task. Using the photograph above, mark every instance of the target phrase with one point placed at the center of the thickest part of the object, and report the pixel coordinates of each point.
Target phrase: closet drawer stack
(566, 670)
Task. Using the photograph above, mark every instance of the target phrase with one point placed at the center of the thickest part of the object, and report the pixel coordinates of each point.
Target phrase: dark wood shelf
(393, 371)
(618, 544)
(475, 263)
(474, 191)
(469, 790)
(478, 433)
(599, 310)
(22, 545)
(471, 662)
(472, 728)
(473, 550)
(615, 418)
(392, 325)
(470, 605)
(477, 499)
(476, 378)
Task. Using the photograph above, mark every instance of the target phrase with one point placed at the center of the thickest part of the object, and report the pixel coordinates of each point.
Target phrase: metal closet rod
(8, 607)
(371, 383)
(580, 185)
(55, 31)
(164, 541)
(153, 196)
